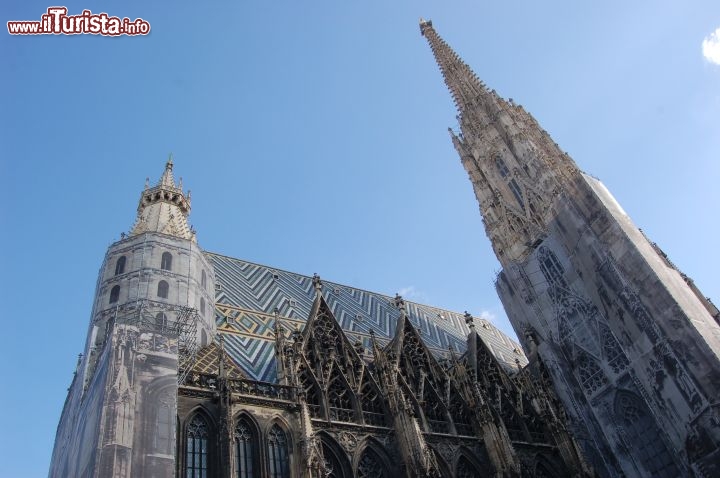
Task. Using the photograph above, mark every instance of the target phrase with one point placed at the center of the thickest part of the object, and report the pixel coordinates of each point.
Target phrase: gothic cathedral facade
(632, 346)
(199, 365)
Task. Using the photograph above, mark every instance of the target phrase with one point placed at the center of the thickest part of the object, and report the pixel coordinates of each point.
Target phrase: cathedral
(200, 365)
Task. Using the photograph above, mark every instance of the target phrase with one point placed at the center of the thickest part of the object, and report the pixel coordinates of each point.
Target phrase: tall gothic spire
(464, 85)
(515, 168)
(164, 208)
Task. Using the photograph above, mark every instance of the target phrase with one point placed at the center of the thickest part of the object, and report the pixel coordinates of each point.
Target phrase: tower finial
(164, 208)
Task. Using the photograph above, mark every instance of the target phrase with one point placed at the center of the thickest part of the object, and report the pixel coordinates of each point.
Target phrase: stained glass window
(196, 445)
(244, 449)
(278, 453)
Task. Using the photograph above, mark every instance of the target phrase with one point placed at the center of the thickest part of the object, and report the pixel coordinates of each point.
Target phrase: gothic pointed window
(373, 412)
(114, 294)
(277, 445)
(614, 354)
(203, 279)
(501, 167)
(591, 375)
(643, 436)
(245, 449)
(370, 465)
(336, 464)
(120, 265)
(196, 448)
(341, 408)
(166, 261)
(202, 306)
(163, 289)
(551, 267)
(517, 192)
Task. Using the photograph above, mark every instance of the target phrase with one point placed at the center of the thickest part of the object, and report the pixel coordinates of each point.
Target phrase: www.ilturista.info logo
(57, 22)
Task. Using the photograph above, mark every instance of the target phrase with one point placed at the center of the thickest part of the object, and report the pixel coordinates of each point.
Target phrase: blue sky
(314, 138)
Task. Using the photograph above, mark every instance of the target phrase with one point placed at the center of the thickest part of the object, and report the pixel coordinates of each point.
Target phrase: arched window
(370, 465)
(278, 453)
(336, 463)
(244, 449)
(161, 321)
(163, 289)
(501, 167)
(203, 279)
(551, 267)
(120, 265)
(196, 448)
(202, 306)
(643, 436)
(114, 294)
(165, 423)
(166, 261)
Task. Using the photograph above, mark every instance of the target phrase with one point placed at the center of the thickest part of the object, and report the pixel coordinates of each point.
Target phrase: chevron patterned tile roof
(248, 293)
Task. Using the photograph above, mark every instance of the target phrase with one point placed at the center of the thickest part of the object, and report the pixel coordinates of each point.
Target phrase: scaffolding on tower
(186, 329)
(168, 323)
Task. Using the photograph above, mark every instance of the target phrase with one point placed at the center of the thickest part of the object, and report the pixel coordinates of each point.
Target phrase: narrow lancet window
(166, 261)
(517, 192)
(244, 452)
(278, 453)
(551, 267)
(501, 167)
(120, 265)
(114, 294)
(163, 289)
(196, 446)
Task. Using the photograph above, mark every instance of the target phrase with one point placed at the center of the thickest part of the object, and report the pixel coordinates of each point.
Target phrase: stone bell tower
(153, 308)
(632, 345)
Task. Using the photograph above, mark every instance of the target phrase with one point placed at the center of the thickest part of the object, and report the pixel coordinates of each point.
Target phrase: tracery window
(120, 265)
(551, 267)
(517, 192)
(114, 294)
(278, 453)
(333, 466)
(613, 353)
(341, 408)
(434, 411)
(460, 415)
(370, 465)
(196, 446)
(163, 289)
(643, 436)
(373, 412)
(501, 167)
(244, 451)
(591, 375)
(166, 261)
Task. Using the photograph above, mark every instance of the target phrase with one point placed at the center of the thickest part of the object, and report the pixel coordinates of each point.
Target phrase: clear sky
(313, 135)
